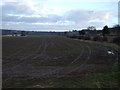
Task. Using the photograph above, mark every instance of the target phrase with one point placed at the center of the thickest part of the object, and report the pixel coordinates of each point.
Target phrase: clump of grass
(91, 80)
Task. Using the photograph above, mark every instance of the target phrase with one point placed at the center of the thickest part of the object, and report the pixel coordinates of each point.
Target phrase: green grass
(92, 80)
(109, 45)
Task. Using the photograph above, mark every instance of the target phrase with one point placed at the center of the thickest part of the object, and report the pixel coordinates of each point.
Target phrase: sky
(58, 15)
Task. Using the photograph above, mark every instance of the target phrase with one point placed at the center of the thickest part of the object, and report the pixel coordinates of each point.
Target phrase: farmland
(57, 61)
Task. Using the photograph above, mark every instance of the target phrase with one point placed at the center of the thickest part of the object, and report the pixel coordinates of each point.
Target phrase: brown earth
(42, 57)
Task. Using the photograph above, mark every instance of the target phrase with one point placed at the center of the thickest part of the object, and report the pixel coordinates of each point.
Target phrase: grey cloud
(81, 18)
(13, 18)
(15, 8)
(40, 19)
(8, 18)
(75, 16)
(29, 26)
(78, 16)
(97, 24)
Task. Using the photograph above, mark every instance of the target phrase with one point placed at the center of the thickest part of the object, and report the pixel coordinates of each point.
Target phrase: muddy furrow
(80, 68)
(19, 50)
(78, 57)
(65, 70)
(24, 59)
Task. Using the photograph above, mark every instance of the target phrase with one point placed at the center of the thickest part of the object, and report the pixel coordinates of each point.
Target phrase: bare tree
(105, 30)
(91, 28)
(23, 33)
(82, 32)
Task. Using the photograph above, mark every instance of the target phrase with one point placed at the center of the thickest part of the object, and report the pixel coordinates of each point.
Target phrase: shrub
(80, 37)
(97, 38)
(104, 39)
(72, 36)
(87, 38)
(23, 33)
(116, 40)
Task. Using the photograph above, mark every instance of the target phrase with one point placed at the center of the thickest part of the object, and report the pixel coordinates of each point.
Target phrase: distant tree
(74, 30)
(27, 33)
(23, 33)
(116, 26)
(65, 33)
(116, 29)
(91, 28)
(97, 38)
(14, 34)
(82, 32)
(105, 30)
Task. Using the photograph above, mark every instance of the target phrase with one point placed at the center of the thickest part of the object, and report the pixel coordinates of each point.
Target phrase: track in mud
(42, 57)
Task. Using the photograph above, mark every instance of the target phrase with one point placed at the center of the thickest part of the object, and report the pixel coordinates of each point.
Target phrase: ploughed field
(56, 61)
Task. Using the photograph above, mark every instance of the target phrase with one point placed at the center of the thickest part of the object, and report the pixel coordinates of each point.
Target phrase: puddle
(110, 52)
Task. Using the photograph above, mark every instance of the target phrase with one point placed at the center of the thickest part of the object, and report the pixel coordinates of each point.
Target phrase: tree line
(106, 34)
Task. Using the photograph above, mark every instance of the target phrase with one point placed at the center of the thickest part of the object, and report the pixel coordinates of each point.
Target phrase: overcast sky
(58, 15)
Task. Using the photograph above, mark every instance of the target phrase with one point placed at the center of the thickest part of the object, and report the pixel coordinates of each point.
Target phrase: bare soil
(43, 57)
